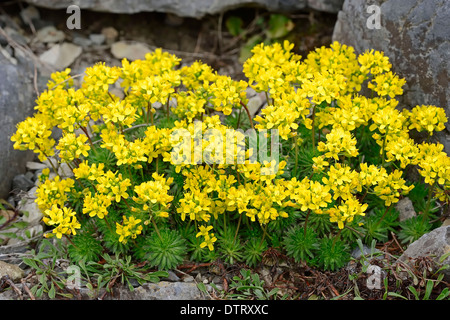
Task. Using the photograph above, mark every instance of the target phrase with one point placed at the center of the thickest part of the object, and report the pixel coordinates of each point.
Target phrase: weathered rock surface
(60, 56)
(433, 244)
(406, 209)
(415, 36)
(130, 50)
(164, 290)
(10, 270)
(192, 9)
(16, 103)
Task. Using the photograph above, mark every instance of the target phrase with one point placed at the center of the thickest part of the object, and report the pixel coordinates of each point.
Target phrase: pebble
(406, 209)
(110, 34)
(33, 166)
(61, 56)
(29, 14)
(49, 34)
(22, 182)
(131, 51)
(11, 270)
(97, 39)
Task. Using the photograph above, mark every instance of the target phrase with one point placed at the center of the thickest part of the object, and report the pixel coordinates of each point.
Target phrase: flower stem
(430, 194)
(264, 235)
(156, 228)
(384, 215)
(248, 113)
(306, 222)
(237, 229)
(239, 119)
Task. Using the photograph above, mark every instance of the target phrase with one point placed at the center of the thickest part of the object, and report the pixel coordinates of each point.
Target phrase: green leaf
(279, 26)
(444, 294)
(2, 220)
(31, 263)
(414, 292)
(52, 292)
(234, 25)
(20, 224)
(394, 294)
(201, 286)
(428, 290)
(444, 256)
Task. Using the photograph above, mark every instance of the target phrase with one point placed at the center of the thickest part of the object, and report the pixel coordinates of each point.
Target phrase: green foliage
(122, 269)
(253, 251)
(51, 279)
(230, 248)
(413, 228)
(166, 249)
(332, 254)
(301, 245)
(85, 246)
(249, 285)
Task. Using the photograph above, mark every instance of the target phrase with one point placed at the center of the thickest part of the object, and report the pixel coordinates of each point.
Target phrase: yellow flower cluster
(63, 220)
(164, 105)
(427, 118)
(129, 228)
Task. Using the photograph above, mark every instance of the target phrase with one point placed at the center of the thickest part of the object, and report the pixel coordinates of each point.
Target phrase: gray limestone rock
(415, 35)
(192, 9)
(433, 244)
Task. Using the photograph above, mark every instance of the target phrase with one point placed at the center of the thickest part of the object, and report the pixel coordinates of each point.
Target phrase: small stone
(131, 51)
(49, 34)
(110, 34)
(97, 38)
(406, 209)
(29, 175)
(188, 279)
(11, 270)
(22, 182)
(29, 14)
(81, 41)
(366, 251)
(33, 166)
(254, 104)
(60, 56)
(65, 171)
(172, 276)
(198, 277)
(33, 214)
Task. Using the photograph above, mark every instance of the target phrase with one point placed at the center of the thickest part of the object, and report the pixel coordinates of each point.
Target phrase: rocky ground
(41, 37)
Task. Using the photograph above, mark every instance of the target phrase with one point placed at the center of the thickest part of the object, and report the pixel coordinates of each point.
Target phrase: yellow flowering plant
(165, 174)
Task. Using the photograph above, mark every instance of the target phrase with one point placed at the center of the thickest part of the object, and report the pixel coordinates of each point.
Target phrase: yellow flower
(64, 221)
(96, 205)
(429, 118)
(73, 146)
(390, 188)
(53, 192)
(34, 133)
(129, 228)
(209, 241)
(150, 193)
(339, 142)
(387, 84)
(347, 211)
